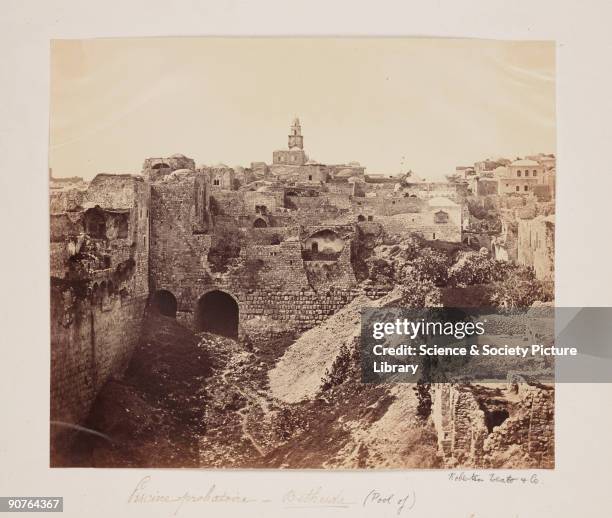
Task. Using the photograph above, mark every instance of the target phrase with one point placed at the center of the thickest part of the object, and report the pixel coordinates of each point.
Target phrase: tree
(519, 289)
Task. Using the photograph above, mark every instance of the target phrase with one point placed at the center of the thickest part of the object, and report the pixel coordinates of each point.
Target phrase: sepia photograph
(224, 211)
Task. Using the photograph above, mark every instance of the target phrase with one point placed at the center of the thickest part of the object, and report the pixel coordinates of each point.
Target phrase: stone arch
(217, 312)
(161, 165)
(260, 223)
(324, 244)
(361, 217)
(165, 303)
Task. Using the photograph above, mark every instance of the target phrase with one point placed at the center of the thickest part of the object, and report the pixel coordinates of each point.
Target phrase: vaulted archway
(165, 302)
(217, 312)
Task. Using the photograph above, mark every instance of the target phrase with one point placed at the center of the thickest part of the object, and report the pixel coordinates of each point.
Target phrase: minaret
(296, 141)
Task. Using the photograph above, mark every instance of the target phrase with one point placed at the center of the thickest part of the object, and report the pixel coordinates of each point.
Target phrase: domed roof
(440, 201)
(221, 166)
(182, 171)
(354, 164)
(525, 162)
(178, 155)
(345, 173)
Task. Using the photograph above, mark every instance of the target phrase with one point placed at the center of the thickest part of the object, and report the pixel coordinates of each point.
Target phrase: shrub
(227, 243)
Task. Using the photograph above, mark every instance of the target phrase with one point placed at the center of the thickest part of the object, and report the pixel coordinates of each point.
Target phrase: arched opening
(324, 245)
(260, 223)
(165, 302)
(217, 312)
(361, 217)
(161, 165)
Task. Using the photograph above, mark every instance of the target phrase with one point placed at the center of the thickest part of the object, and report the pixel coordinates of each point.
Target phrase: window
(441, 217)
(518, 188)
(370, 218)
(535, 173)
(310, 177)
(216, 181)
(434, 236)
(518, 173)
(526, 187)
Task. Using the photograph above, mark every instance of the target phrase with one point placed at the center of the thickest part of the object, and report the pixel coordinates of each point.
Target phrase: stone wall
(492, 427)
(536, 245)
(92, 339)
(99, 288)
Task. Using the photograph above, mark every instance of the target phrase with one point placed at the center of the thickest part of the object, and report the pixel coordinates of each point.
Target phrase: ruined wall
(66, 200)
(99, 288)
(92, 339)
(460, 424)
(177, 254)
(536, 245)
(491, 426)
(532, 427)
(265, 280)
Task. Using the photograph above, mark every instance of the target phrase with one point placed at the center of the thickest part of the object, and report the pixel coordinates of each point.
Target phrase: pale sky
(390, 104)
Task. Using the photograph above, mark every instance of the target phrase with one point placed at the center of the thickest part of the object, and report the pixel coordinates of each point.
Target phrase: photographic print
(222, 210)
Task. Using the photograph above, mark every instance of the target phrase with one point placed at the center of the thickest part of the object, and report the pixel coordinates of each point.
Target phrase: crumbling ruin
(218, 248)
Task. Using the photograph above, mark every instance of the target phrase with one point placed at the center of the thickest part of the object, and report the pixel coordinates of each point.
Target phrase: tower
(296, 141)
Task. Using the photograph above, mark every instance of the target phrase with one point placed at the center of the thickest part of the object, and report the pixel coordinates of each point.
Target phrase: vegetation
(431, 276)
(226, 245)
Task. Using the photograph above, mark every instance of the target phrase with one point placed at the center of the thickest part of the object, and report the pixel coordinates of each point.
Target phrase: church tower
(296, 141)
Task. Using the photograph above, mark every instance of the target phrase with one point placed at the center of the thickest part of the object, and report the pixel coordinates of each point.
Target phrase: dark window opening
(260, 223)
(361, 217)
(495, 418)
(95, 223)
(441, 217)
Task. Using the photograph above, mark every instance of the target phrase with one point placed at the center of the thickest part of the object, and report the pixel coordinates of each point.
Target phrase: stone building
(99, 289)
(216, 247)
(221, 177)
(155, 168)
(295, 154)
(536, 245)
